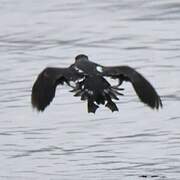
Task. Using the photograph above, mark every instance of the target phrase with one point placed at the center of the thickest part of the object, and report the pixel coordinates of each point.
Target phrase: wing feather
(44, 88)
(145, 91)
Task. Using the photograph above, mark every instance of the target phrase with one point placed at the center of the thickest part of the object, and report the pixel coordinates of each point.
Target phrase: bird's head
(81, 57)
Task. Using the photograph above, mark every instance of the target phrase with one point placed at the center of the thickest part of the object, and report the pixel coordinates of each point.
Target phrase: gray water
(65, 142)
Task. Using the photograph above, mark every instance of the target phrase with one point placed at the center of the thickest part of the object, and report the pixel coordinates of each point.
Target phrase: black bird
(91, 85)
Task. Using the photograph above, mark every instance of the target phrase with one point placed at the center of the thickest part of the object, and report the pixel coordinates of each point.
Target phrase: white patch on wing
(99, 69)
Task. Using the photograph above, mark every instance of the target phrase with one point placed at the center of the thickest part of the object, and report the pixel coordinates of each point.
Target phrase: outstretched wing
(44, 88)
(145, 91)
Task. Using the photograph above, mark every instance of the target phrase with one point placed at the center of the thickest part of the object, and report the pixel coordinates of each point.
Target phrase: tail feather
(92, 107)
(112, 106)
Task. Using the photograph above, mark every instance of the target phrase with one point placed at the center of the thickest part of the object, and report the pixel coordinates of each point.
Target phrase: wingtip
(43, 91)
(159, 104)
(35, 104)
(155, 104)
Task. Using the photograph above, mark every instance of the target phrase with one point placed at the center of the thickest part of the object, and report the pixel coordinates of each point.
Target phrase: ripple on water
(65, 141)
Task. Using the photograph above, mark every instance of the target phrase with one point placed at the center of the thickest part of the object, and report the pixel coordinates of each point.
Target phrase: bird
(90, 84)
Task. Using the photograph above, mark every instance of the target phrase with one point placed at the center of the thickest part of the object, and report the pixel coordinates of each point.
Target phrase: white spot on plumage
(106, 91)
(72, 84)
(99, 69)
(89, 91)
(77, 69)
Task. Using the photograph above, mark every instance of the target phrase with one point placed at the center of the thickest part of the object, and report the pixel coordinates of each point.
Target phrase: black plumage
(91, 85)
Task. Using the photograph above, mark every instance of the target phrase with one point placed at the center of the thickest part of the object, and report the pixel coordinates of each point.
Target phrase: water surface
(65, 142)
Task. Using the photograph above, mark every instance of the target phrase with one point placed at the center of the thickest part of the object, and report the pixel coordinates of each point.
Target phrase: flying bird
(90, 84)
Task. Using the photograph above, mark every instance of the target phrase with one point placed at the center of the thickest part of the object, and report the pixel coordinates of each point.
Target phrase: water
(65, 142)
